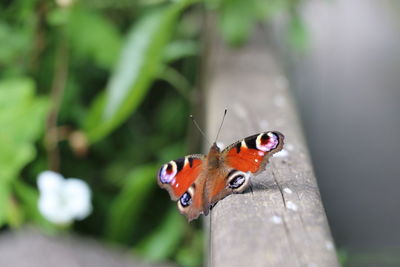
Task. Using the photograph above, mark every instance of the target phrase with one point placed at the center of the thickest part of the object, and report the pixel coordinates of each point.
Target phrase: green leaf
(14, 155)
(94, 37)
(180, 49)
(140, 62)
(14, 44)
(28, 196)
(14, 213)
(95, 116)
(165, 239)
(237, 19)
(125, 209)
(213, 4)
(298, 33)
(4, 196)
(191, 254)
(21, 120)
(343, 256)
(58, 16)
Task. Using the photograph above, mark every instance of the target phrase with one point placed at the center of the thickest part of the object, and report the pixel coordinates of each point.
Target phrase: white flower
(63, 200)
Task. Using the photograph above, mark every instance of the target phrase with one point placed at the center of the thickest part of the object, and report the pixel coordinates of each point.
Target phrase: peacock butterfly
(198, 182)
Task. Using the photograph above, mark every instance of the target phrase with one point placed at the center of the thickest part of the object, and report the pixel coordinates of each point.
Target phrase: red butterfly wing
(252, 153)
(178, 175)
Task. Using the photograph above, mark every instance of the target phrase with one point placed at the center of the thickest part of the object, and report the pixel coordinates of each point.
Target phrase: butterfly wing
(198, 182)
(191, 203)
(252, 153)
(184, 179)
(178, 175)
(239, 160)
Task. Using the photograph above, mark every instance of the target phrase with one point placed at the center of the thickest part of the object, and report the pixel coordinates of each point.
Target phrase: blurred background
(347, 86)
(99, 93)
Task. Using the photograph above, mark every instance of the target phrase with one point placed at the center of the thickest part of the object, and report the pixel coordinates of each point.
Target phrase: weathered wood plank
(282, 223)
(27, 247)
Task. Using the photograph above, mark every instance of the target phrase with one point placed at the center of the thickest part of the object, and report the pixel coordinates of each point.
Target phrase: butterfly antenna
(220, 127)
(198, 128)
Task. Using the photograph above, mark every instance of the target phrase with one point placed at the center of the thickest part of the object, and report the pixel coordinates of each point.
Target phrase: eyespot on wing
(252, 153)
(178, 175)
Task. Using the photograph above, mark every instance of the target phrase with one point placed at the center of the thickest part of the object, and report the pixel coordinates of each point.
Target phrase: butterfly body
(198, 182)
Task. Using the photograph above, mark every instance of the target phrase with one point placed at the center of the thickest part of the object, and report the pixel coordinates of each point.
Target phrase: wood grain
(282, 222)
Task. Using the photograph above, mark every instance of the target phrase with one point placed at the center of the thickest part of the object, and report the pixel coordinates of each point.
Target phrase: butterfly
(198, 182)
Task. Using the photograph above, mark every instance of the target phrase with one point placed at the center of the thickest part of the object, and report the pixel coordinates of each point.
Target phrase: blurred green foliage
(373, 256)
(101, 90)
(21, 114)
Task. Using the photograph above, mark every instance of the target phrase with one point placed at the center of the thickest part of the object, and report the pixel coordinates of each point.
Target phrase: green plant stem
(57, 92)
(39, 42)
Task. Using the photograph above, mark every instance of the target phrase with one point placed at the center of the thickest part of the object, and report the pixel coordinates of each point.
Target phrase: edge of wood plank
(283, 222)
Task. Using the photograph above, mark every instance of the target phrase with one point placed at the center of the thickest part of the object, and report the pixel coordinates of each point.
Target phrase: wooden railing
(282, 222)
